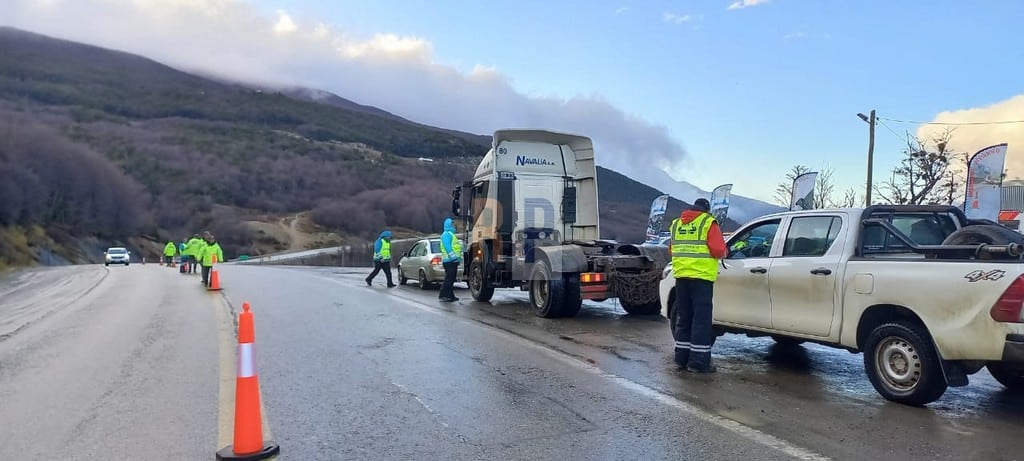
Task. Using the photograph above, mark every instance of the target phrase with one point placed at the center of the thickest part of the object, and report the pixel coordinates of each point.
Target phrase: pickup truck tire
(1010, 375)
(902, 364)
(481, 287)
(547, 293)
(985, 233)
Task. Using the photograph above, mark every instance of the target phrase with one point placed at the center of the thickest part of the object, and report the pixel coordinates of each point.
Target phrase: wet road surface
(109, 364)
(99, 363)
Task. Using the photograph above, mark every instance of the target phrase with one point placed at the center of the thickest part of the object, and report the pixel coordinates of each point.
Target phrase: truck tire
(1010, 375)
(573, 301)
(651, 308)
(902, 364)
(985, 233)
(481, 287)
(547, 293)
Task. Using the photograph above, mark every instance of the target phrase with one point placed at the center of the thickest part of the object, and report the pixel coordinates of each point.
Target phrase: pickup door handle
(758, 270)
(821, 271)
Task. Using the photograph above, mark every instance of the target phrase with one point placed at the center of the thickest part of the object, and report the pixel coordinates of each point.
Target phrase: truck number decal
(983, 275)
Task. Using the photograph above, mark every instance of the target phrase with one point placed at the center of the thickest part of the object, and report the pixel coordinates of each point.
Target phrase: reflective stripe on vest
(456, 250)
(691, 257)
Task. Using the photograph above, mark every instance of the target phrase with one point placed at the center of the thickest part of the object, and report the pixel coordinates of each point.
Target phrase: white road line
(424, 404)
(646, 391)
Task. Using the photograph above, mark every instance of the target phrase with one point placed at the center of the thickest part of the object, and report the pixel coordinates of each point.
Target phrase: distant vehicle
(928, 295)
(116, 255)
(422, 262)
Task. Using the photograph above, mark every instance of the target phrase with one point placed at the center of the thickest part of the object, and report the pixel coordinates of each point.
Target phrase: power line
(997, 122)
(901, 138)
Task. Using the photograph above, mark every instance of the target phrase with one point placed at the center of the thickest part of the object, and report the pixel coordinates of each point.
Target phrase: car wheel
(902, 364)
(1010, 375)
(424, 283)
(125, 264)
(402, 279)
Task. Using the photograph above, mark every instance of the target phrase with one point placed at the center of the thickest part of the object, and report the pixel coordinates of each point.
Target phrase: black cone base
(269, 449)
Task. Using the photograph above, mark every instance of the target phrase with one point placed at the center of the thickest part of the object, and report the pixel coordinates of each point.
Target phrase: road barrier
(248, 437)
(214, 276)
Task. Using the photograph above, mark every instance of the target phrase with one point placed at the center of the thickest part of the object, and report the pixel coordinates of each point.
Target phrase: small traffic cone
(248, 439)
(214, 280)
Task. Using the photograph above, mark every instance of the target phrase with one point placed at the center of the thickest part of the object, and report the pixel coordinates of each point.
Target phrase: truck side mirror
(456, 195)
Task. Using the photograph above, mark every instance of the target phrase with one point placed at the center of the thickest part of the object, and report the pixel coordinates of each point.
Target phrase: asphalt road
(98, 364)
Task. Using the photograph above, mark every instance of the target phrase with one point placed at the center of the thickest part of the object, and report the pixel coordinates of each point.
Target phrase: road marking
(625, 383)
(227, 333)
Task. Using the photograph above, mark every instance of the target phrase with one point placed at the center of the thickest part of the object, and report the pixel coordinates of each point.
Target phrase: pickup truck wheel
(547, 293)
(1010, 375)
(573, 300)
(902, 364)
(985, 233)
(480, 286)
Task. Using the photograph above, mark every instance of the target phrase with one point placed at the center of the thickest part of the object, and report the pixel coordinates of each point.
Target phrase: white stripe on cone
(246, 361)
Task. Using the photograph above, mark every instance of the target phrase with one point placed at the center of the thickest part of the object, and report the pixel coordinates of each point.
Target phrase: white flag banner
(720, 202)
(656, 218)
(984, 183)
(802, 197)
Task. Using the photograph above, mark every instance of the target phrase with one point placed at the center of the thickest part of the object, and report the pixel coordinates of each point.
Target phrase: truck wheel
(547, 293)
(651, 308)
(573, 300)
(902, 364)
(985, 233)
(480, 285)
(1010, 375)
(402, 279)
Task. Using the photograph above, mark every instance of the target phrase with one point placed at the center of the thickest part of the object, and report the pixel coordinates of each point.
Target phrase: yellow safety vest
(385, 251)
(456, 249)
(691, 257)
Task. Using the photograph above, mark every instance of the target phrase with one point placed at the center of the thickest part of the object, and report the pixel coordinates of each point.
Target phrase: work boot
(369, 283)
(392, 285)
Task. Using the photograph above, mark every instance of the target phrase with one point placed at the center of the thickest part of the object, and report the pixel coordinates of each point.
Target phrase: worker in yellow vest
(451, 256)
(696, 247)
(381, 259)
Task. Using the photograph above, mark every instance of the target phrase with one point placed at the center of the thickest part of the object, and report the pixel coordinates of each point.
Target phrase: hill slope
(172, 153)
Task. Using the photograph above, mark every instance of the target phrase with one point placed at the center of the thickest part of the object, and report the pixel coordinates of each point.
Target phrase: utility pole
(871, 153)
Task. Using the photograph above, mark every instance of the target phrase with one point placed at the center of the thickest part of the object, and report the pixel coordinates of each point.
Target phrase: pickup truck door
(742, 295)
(803, 278)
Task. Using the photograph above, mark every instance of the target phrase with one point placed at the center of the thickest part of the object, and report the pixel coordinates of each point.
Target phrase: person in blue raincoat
(451, 256)
(381, 258)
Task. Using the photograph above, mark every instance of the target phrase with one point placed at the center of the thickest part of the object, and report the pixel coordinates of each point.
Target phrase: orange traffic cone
(214, 280)
(248, 442)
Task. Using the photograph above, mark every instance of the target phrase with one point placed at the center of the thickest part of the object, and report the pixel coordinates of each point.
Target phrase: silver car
(116, 255)
(423, 263)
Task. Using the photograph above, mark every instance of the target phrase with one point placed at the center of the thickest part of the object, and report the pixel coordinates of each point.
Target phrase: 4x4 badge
(983, 275)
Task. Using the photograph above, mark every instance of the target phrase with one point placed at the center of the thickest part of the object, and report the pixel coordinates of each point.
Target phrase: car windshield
(117, 251)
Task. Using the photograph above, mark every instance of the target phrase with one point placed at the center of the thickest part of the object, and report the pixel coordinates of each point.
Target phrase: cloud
(739, 5)
(622, 9)
(972, 138)
(398, 73)
(673, 18)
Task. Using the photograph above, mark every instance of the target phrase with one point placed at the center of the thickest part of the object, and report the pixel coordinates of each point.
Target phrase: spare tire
(988, 234)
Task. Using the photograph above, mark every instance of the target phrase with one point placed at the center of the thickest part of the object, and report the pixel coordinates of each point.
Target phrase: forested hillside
(110, 146)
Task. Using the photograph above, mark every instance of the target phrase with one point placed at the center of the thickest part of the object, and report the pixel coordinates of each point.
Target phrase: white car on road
(117, 255)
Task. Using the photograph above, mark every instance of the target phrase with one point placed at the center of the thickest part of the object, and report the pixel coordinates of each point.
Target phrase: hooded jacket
(379, 244)
(450, 241)
(716, 243)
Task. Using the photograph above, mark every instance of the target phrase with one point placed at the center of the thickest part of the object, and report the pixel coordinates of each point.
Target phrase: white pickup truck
(929, 296)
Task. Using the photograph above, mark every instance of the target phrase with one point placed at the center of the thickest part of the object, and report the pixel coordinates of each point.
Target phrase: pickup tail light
(1010, 305)
(435, 261)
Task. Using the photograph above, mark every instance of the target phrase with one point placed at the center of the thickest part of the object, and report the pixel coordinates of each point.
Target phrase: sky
(708, 91)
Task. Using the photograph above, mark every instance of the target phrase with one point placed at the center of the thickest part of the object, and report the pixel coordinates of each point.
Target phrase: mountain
(106, 147)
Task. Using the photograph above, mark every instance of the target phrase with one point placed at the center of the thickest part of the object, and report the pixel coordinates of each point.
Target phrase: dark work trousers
(168, 259)
(193, 262)
(206, 275)
(451, 269)
(380, 266)
(693, 334)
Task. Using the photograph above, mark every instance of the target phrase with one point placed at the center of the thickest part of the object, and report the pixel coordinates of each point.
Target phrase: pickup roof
(928, 295)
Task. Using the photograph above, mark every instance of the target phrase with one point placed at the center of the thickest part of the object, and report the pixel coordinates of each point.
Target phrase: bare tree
(929, 173)
(850, 199)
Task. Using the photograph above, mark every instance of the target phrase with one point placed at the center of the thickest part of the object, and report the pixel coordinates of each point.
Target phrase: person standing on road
(211, 252)
(192, 247)
(696, 247)
(169, 251)
(381, 259)
(451, 256)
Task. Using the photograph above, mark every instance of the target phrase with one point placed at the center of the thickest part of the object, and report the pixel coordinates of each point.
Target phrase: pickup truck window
(755, 242)
(922, 228)
(811, 235)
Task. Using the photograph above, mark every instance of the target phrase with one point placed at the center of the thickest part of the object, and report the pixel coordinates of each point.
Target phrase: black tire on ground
(988, 234)
(402, 279)
(573, 300)
(547, 293)
(481, 287)
(125, 264)
(671, 311)
(787, 341)
(902, 364)
(651, 308)
(1010, 375)
(422, 278)
(106, 264)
